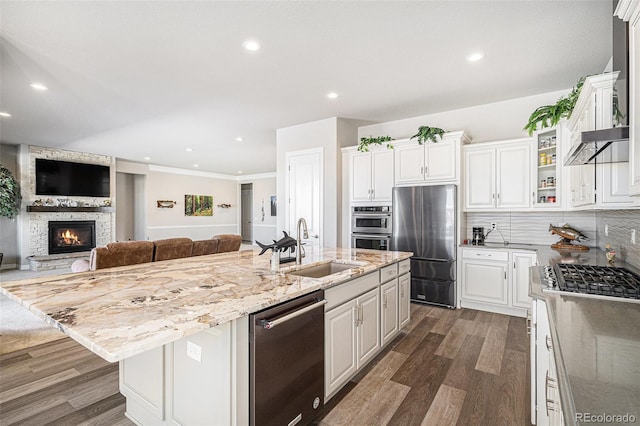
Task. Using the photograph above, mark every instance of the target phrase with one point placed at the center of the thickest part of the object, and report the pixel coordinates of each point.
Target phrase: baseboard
(9, 266)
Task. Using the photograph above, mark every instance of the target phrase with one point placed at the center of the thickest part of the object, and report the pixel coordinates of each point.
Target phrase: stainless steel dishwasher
(286, 354)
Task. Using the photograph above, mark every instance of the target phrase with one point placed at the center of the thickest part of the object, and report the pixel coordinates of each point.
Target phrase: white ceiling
(136, 79)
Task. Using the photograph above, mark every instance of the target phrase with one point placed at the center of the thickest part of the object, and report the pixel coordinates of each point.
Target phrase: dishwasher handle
(269, 324)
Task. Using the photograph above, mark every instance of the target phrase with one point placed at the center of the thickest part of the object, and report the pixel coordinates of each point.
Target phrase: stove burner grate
(598, 280)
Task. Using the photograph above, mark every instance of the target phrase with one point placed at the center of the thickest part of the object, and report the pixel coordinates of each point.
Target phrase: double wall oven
(371, 227)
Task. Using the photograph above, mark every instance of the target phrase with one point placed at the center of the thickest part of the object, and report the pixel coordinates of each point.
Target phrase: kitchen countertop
(596, 344)
(120, 312)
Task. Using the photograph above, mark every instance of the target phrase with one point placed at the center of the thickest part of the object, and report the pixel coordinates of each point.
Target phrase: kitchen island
(142, 315)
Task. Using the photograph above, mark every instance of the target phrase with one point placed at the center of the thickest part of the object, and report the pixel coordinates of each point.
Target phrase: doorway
(130, 207)
(246, 212)
(304, 193)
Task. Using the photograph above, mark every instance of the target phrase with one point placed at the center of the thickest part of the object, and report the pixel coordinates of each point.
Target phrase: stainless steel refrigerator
(424, 222)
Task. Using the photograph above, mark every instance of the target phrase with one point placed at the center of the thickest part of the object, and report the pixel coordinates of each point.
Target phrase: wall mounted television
(71, 179)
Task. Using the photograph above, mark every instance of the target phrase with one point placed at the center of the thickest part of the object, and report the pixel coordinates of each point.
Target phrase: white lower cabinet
(496, 280)
(340, 346)
(389, 317)
(368, 326)
(404, 303)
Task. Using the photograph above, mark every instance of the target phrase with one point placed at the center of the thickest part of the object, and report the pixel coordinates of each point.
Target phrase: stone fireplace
(71, 236)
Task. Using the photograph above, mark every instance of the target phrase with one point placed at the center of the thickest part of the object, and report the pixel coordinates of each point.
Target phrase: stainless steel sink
(323, 269)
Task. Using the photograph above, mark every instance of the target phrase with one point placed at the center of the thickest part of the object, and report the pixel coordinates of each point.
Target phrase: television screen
(71, 179)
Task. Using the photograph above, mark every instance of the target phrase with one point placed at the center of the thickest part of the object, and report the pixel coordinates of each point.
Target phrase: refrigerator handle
(434, 260)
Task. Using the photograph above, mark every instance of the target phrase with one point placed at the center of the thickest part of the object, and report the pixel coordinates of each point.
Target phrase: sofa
(136, 252)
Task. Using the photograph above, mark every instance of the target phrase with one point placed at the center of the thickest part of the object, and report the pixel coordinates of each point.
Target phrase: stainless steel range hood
(601, 146)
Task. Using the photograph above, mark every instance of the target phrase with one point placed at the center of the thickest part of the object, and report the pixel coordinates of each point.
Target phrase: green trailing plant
(550, 115)
(379, 140)
(10, 197)
(426, 133)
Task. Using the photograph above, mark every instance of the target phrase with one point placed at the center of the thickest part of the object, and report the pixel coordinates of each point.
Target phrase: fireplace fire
(71, 236)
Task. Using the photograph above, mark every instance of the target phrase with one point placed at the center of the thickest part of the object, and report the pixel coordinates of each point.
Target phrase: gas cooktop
(593, 281)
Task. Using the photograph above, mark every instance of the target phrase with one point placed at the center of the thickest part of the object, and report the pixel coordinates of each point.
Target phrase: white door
(369, 326)
(479, 178)
(409, 163)
(440, 160)
(382, 175)
(340, 345)
(404, 289)
(514, 176)
(521, 262)
(361, 176)
(389, 319)
(304, 190)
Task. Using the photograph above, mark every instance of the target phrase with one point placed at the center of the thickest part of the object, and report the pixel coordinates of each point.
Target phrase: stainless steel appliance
(478, 236)
(370, 241)
(371, 220)
(600, 282)
(286, 362)
(424, 222)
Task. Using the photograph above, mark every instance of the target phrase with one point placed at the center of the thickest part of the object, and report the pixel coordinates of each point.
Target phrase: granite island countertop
(120, 312)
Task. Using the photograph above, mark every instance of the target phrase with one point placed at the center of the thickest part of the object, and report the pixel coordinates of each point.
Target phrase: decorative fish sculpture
(283, 244)
(567, 232)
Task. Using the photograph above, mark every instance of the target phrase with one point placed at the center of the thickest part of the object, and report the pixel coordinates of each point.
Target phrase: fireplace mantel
(55, 209)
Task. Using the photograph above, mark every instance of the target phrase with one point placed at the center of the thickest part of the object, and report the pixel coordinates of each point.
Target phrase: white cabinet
(371, 175)
(485, 280)
(368, 326)
(389, 316)
(340, 345)
(498, 175)
(404, 307)
(496, 280)
(521, 262)
(429, 162)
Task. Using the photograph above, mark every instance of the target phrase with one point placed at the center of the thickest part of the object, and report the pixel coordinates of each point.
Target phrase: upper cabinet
(498, 175)
(428, 162)
(629, 11)
(372, 175)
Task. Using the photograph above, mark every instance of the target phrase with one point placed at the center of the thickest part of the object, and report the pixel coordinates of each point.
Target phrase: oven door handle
(372, 237)
(371, 216)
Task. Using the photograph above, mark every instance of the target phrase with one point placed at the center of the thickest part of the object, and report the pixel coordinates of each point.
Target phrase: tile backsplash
(531, 227)
(619, 224)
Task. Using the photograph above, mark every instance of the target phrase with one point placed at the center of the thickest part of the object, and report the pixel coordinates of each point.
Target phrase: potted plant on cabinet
(10, 197)
(425, 133)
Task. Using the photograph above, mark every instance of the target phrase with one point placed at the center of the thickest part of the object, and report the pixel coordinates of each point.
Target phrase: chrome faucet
(299, 249)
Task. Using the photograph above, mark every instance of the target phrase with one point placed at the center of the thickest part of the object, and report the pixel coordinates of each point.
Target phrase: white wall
(264, 227)
(483, 123)
(328, 134)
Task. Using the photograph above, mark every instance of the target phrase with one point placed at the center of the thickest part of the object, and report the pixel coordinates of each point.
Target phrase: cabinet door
(409, 163)
(514, 174)
(361, 176)
(480, 178)
(389, 318)
(613, 179)
(542, 363)
(404, 309)
(634, 102)
(340, 345)
(382, 175)
(440, 161)
(521, 262)
(369, 326)
(485, 282)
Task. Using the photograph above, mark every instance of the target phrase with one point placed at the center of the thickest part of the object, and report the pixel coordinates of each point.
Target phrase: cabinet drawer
(349, 290)
(388, 272)
(404, 266)
(485, 254)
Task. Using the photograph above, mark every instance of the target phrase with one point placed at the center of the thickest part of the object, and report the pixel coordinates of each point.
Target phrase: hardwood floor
(447, 367)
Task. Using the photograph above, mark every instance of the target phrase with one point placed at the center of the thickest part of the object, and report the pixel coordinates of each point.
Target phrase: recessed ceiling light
(147, 158)
(332, 95)
(251, 45)
(188, 149)
(195, 165)
(239, 139)
(239, 171)
(39, 86)
(474, 57)
(5, 114)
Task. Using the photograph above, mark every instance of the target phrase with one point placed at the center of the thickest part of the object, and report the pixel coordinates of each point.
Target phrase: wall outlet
(606, 230)
(494, 225)
(633, 236)
(194, 351)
